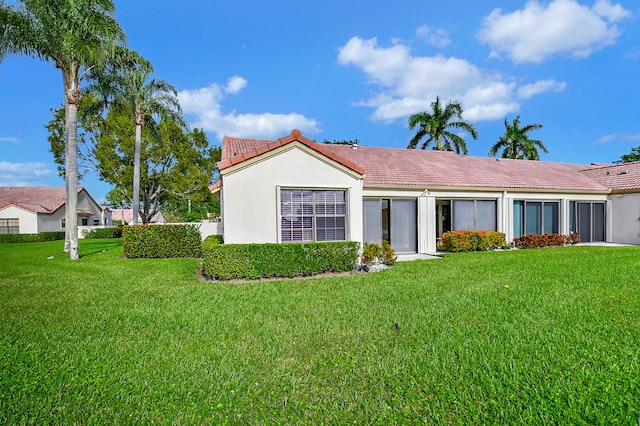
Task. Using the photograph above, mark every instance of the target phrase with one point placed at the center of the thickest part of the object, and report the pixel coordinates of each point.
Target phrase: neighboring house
(125, 216)
(294, 189)
(29, 210)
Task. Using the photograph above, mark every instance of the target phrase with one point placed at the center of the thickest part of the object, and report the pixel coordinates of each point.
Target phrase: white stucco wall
(28, 221)
(250, 194)
(625, 228)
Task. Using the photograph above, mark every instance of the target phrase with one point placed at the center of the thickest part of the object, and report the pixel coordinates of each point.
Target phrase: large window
(535, 217)
(472, 215)
(313, 215)
(9, 226)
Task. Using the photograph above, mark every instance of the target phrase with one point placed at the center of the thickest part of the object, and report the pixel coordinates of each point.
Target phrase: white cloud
(562, 27)
(408, 84)
(9, 139)
(435, 37)
(625, 137)
(529, 90)
(204, 106)
(24, 174)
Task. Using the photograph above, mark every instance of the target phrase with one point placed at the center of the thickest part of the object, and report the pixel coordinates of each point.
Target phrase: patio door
(394, 220)
(589, 220)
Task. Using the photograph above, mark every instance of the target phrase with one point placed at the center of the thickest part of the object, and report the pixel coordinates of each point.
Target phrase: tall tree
(435, 126)
(74, 36)
(634, 155)
(147, 99)
(516, 143)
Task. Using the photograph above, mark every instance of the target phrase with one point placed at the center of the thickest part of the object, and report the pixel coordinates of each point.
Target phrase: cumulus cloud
(204, 108)
(561, 27)
(24, 174)
(408, 83)
(437, 37)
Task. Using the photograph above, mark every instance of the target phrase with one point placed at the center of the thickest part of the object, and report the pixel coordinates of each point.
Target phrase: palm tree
(133, 89)
(435, 125)
(74, 36)
(515, 142)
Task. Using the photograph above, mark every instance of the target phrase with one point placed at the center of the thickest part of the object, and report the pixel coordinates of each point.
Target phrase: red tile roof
(388, 166)
(625, 176)
(237, 150)
(429, 169)
(35, 199)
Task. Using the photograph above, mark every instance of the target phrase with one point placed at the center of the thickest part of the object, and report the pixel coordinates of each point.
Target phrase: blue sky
(358, 70)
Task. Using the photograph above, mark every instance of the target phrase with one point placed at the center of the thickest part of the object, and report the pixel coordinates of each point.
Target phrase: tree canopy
(634, 155)
(435, 127)
(516, 144)
(175, 165)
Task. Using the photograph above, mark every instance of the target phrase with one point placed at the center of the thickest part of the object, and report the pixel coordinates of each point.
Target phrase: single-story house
(125, 216)
(30, 210)
(294, 189)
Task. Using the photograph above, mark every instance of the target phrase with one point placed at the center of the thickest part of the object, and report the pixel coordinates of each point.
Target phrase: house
(30, 210)
(294, 189)
(125, 216)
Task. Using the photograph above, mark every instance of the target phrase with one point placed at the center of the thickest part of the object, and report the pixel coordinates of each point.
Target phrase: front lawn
(531, 336)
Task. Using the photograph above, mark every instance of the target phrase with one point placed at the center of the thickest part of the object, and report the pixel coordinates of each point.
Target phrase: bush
(217, 239)
(455, 241)
(373, 254)
(546, 240)
(32, 238)
(161, 241)
(103, 233)
(254, 261)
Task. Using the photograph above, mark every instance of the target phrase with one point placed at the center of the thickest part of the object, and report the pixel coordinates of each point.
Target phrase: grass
(532, 337)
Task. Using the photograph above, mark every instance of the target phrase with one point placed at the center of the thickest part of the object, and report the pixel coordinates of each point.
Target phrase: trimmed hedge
(546, 240)
(161, 241)
(455, 241)
(255, 261)
(373, 253)
(103, 233)
(32, 238)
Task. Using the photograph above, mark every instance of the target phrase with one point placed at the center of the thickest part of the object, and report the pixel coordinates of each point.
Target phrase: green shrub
(216, 238)
(32, 238)
(455, 241)
(546, 240)
(102, 233)
(254, 261)
(161, 241)
(373, 253)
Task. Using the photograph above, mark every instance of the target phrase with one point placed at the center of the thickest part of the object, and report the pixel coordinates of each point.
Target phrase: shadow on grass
(89, 247)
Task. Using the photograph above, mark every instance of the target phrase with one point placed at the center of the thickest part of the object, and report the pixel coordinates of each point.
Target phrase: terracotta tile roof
(429, 169)
(625, 176)
(237, 150)
(388, 166)
(35, 199)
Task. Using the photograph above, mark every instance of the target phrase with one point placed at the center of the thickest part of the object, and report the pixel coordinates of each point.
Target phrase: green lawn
(541, 336)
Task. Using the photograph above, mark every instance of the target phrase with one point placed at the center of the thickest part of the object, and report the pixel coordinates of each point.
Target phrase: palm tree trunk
(136, 175)
(72, 180)
(438, 144)
(66, 181)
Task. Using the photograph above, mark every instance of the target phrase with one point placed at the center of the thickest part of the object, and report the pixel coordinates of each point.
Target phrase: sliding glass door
(394, 220)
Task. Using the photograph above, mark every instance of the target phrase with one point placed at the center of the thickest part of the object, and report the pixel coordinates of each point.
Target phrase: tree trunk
(66, 181)
(72, 180)
(136, 175)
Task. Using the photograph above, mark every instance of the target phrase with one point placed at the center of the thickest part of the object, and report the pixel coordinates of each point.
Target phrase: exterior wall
(52, 222)
(250, 194)
(625, 228)
(427, 234)
(28, 221)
